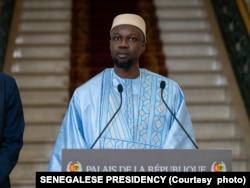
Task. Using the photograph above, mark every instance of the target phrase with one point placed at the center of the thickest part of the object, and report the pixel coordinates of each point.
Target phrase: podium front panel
(146, 160)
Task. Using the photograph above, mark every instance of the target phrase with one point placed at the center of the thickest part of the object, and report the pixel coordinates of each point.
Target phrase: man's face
(126, 45)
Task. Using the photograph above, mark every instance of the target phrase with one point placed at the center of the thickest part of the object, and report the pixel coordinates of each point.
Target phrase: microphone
(120, 90)
(162, 86)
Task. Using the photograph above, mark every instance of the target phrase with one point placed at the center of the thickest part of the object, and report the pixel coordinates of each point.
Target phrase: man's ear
(143, 47)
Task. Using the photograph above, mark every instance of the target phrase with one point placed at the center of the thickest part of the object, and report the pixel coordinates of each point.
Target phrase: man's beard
(123, 64)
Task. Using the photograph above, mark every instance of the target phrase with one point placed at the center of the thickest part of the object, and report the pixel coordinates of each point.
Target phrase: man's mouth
(122, 55)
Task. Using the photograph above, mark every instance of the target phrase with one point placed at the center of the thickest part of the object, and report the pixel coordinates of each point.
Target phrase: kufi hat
(130, 19)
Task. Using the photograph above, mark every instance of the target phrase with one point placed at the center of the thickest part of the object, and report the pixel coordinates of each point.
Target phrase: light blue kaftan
(143, 122)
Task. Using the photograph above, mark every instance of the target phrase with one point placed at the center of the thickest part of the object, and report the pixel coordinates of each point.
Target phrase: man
(11, 127)
(122, 107)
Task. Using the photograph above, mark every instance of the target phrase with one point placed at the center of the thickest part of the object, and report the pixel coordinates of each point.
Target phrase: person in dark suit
(12, 126)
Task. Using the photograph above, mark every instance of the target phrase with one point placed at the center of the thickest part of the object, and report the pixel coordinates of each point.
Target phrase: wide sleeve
(181, 134)
(70, 134)
(80, 124)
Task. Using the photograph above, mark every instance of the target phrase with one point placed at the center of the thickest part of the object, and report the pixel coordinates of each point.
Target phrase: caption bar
(76, 179)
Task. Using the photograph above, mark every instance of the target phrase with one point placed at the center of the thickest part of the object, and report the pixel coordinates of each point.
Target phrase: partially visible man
(11, 127)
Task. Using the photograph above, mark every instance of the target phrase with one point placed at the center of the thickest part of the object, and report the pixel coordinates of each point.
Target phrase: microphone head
(162, 84)
(120, 88)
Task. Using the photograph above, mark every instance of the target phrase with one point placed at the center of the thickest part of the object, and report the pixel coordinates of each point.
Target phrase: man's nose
(124, 43)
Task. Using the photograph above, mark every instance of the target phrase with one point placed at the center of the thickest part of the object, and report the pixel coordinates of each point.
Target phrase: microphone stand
(120, 89)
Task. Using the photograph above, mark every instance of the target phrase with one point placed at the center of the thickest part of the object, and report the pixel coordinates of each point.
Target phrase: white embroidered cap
(130, 19)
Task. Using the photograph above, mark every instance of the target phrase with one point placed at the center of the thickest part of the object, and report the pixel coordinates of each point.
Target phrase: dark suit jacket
(11, 127)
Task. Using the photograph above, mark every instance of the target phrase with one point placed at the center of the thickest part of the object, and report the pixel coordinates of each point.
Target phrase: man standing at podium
(125, 107)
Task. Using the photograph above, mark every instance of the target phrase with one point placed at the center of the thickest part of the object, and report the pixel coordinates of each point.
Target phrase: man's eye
(116, 38)
(132, 39)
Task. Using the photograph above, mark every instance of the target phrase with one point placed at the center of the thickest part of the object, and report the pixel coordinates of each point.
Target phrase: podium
(146, 160)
